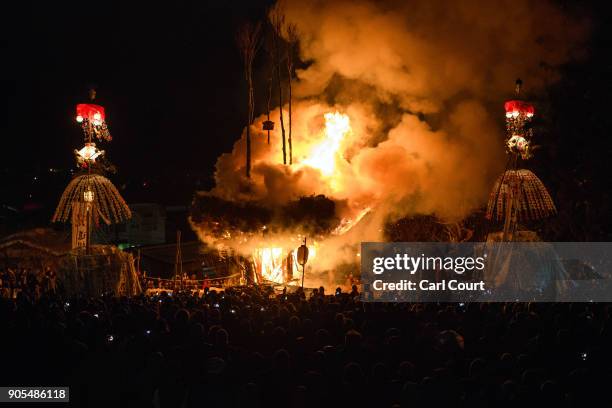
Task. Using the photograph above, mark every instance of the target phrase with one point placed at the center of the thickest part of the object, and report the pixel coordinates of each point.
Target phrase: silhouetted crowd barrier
(250, 347)
(34, 282)
(189, 283)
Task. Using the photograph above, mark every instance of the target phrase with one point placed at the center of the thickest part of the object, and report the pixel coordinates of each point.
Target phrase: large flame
(269, 263)
(323, 156)
(321, 150)
(279, 265)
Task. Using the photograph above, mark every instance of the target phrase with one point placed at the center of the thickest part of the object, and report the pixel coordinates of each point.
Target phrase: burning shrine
(251, 233)
(262, 235)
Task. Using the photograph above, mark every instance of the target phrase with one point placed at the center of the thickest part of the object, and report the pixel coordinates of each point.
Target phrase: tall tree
(248, 40)
(269, 46)
(292, 40)
(277, 20)
(270, 79)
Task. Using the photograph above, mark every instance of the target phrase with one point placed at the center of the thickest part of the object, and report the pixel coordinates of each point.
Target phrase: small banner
(79, 225)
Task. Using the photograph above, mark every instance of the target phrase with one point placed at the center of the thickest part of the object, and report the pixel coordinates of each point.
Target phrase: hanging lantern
(88, 154)
(528, 193)
(302, 255)
(93, 121)
(519, 145)
(88, 196)
(91, 112)
(268, 125)
(518, 133)
(515, 108)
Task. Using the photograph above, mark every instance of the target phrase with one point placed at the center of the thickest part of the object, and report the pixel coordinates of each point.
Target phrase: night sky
(169, 76)
(171, 80)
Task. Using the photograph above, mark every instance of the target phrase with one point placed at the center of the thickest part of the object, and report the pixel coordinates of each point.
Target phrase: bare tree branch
(292, 40)
(248, 40)
(277, 20)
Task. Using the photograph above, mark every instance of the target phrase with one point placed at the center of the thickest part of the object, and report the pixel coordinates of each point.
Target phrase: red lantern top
(93, 113)
(516, 107)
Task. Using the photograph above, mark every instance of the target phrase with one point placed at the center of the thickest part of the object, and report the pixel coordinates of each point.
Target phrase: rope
(495, 201)
(209, 280)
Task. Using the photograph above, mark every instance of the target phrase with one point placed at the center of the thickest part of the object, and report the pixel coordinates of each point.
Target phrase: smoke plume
(423, 84)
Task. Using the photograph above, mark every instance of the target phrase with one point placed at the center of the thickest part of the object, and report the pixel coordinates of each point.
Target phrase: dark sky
(170, 78)
(169, 75)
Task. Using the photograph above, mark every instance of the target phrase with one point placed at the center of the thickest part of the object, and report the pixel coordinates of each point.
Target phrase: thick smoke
(428, 54)
(423, 83)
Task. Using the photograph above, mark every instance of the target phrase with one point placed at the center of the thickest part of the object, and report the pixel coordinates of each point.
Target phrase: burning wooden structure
(265, 240)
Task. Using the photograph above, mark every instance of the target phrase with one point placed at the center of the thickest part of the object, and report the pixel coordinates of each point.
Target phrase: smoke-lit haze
(423, 85)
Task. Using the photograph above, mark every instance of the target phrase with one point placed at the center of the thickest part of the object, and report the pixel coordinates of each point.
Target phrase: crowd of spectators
(32, 281)
(251, 347)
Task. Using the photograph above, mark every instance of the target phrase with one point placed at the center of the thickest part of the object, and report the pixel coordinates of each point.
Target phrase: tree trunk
(292, 40)
(248, 43)
(248, 150)
(250, 120)
(270, 97)
(280, 97)
(290, 144)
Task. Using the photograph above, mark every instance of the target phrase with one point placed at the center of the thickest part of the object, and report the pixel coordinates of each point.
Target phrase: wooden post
(178, 263)
(304, 264)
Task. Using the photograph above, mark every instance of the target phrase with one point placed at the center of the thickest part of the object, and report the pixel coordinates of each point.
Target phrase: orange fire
(269, 263)
(323, 156)
(347, 223)
(274, 264)
(273, 253)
